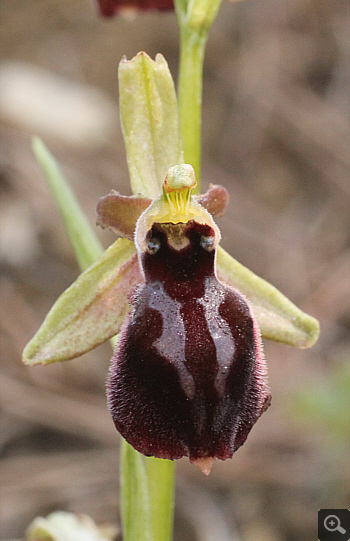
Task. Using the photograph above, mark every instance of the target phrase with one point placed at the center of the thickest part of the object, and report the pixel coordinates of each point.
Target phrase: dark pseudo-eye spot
(153, 245)
(207, 243)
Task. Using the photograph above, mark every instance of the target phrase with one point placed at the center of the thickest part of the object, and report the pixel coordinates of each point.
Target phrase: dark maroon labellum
(108, 8)
(188, 377)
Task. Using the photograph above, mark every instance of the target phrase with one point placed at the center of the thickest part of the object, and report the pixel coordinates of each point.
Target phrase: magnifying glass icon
(332, 524)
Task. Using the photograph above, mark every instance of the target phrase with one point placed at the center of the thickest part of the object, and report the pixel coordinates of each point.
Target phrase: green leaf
(278, 318)
(85, 244)
(135, 501)
(90, 311)
(149, 119)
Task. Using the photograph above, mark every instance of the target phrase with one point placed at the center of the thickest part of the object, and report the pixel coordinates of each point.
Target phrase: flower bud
(108, 8)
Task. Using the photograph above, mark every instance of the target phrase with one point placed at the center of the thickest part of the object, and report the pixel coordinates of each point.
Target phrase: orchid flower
(188, 375)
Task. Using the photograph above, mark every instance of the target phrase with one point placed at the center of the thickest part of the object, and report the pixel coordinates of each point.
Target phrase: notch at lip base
(158, 212)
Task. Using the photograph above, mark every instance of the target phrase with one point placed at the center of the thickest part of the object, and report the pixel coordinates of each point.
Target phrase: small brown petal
(120, 212)
(215, 200)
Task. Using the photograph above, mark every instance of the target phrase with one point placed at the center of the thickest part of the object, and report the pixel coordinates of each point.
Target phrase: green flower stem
(147, 496)
(137, 519)
(195, 18)
(190, 96)
(161, 475)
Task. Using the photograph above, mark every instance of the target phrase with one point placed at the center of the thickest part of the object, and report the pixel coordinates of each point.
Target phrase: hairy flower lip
(109, 8)
(188, 377)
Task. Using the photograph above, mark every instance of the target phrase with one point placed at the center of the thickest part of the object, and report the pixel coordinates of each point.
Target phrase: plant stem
(190, 94)
(161, 475)
(134, 495)
(195, 18)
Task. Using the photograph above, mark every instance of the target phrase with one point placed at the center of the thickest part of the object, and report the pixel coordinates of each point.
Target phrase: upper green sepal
(149, 119)
(90, 311)
(278, 318)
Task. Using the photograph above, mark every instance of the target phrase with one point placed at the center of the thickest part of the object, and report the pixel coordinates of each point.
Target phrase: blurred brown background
(276, 133)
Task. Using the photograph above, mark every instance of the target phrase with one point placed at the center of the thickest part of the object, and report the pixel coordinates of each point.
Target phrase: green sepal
(90, 311)
(278, 318)
(149, 119)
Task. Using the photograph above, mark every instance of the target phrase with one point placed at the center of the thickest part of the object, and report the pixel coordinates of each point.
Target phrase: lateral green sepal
(90, 311)
(278, 318)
